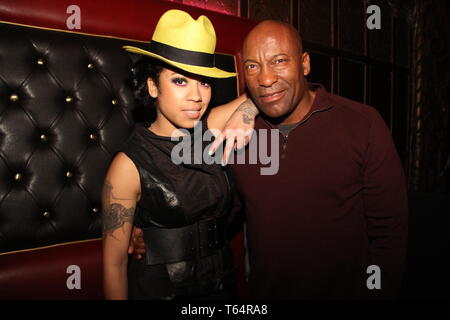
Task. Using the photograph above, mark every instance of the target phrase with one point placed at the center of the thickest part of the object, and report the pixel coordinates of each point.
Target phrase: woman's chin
(186, 124)
(190, 122)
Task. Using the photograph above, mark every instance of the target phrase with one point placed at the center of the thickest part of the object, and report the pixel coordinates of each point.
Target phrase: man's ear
(306, 67)
(152, 88)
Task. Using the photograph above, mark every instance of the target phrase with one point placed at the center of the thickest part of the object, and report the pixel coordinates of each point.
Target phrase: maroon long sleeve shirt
(337, 205)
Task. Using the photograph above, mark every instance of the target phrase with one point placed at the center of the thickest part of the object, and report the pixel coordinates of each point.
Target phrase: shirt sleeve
(386, 208)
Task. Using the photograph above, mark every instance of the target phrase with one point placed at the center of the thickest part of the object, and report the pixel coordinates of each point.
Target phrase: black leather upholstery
(66, 106)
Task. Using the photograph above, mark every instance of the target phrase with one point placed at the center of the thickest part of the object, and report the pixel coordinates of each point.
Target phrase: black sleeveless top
(173, 197)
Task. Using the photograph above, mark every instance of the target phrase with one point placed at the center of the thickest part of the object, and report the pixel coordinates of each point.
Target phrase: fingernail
(223, 163)
(210, 153)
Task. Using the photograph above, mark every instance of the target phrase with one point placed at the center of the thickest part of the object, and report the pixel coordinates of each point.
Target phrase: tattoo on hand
(114, 214)
(246, 119)
(249, 111)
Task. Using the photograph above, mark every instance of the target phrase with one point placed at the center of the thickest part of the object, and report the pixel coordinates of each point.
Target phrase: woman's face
(181, 100)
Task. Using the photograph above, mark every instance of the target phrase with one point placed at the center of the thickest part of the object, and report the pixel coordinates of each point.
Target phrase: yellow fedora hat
(184, 43)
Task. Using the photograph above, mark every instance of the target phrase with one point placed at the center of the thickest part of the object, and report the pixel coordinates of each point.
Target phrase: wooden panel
(352, 25)
(321, 69)
(402, 38)
(380, 40)
(379, 94)
(316, 21)
(351, 80)
(280, 10)
(400, 114)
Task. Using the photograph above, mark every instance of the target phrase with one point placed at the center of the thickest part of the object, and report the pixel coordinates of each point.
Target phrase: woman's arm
(119, 196)
(233, 122)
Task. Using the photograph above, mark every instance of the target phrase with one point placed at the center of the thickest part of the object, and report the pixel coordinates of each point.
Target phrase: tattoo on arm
(249, 111)
(114, 214)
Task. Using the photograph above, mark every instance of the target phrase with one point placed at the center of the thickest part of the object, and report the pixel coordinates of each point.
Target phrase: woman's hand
(237, 131)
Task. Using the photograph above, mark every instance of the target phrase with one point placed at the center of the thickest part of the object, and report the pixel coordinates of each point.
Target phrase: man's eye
(179, 81)
(250, 66)
(281, 60)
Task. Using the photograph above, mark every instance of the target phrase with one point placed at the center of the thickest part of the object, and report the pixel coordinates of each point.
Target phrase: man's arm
(119, 197)
(386, 208)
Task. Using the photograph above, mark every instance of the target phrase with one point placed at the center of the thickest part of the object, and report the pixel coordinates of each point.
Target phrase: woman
(182, 209)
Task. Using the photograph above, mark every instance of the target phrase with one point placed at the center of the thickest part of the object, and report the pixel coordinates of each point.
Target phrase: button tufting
(14, 97)
(59, 131)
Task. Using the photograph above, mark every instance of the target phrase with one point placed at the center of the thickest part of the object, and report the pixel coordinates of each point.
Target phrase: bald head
(272, 28)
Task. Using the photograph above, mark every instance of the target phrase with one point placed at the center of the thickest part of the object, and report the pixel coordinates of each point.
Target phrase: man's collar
(322, 98)
(321, 102)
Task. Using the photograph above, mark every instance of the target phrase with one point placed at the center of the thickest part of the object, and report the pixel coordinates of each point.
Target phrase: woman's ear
(152, 88)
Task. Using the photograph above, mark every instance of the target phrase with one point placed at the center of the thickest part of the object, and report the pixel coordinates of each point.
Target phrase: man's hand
(237, 131)
(137, 245)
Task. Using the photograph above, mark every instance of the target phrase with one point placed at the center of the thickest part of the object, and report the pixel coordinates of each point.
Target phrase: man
(338, 202)
(332, 222)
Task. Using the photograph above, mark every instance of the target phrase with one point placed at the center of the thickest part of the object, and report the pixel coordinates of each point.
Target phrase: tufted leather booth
(65, 109)
(66, 106)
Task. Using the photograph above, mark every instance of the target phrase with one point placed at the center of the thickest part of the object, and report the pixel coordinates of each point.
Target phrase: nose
(267, 77)
(194, 92)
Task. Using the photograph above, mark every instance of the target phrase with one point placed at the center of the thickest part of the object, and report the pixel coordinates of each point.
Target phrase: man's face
(274, 69)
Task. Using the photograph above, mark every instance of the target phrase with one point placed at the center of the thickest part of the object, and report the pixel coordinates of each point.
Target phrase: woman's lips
(192, 114)
(273, 96)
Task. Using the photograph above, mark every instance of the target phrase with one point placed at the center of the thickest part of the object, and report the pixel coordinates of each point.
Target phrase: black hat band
(193, 58)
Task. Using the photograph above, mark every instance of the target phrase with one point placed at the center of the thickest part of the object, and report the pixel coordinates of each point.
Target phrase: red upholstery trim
(42, 273)
(132, 19)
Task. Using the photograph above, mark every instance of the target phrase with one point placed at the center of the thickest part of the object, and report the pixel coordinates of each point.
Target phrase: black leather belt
(169, 245)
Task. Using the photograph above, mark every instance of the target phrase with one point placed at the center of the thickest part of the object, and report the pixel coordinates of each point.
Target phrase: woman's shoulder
(123, 163)
(123, 174)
